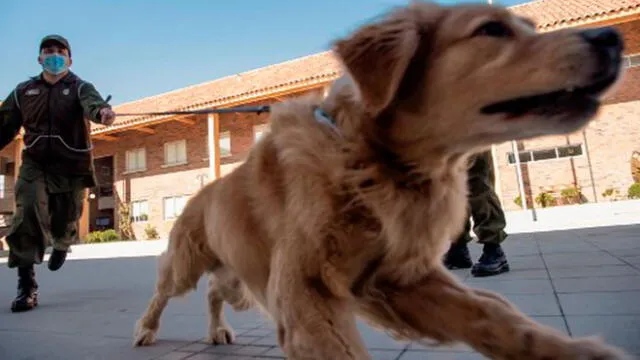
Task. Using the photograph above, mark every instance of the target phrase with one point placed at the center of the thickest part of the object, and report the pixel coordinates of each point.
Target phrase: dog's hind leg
(224, 286)
(439, 307)
(173, 280)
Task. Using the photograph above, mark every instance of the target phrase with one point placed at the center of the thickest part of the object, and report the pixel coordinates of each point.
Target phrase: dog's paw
(221, 336)
(144, 337)
(594, 348)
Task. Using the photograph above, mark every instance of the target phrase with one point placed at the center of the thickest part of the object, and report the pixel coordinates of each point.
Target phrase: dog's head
(458, 79)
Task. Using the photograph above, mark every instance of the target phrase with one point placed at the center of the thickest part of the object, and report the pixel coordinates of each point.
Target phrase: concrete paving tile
(519, 286)
(384, 354)
(269, 340)
(175, 355)
(622, 331)
(593, 271)
(565, 260)
(210, 356)
(196, 347)
(601, 303)
(625, 252)
(527, 262)
(614, 243)
(275, 351)
(55, 346)
(376, 339)
(618, 283)
(427, 355)
(576, 246)
(246, 340)
(520, 249)
(248, 350)
(634, 260)
(259, 332)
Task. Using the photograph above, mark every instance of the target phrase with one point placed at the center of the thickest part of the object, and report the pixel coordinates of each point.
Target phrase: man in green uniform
(489, 223)
(57, 165)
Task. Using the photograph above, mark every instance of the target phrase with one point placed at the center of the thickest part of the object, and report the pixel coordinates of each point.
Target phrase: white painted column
(214, 151)
(496, 175)
(516, 155)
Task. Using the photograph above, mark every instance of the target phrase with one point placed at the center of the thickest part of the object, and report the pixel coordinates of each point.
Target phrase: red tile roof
(321, 68)
(317, 69)
(552, 14)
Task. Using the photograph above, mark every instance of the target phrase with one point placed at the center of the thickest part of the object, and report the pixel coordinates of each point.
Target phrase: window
(546, 154)
(139, 211)
(173, 206)
(175, 152)
(258, 131)
(136, 160)
(632, 60)
(224, 143)
(3, 190)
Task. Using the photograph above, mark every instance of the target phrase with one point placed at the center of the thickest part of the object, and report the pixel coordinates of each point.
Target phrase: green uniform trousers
(48, 207)
(483, 204)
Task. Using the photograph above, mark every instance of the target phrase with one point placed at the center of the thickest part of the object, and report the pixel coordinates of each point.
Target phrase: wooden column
(213, 137)
(19, 144)
(83, 223)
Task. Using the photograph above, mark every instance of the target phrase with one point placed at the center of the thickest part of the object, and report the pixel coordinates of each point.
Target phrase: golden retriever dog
(348, 205)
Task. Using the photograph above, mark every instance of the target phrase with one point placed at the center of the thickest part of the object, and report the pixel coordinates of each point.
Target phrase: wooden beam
(145, 130)
(105, 137)
(186, 121)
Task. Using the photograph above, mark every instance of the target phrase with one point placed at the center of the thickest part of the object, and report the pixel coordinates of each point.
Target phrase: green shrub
(518, 201)
(102, 236)
(151, 232)
(571, 195)
(634, 191)
(545, 199)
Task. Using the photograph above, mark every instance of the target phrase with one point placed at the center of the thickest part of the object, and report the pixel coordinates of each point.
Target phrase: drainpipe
(592, 178)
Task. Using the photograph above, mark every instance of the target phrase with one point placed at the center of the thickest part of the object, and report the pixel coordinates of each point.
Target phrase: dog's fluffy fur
(321, 224)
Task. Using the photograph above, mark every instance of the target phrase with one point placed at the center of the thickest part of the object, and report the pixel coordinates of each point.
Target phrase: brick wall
(611, 139)
(159, 181)
(631, 33)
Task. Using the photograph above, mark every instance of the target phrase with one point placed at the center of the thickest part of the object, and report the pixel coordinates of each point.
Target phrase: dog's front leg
(313, 324)
(440, 307)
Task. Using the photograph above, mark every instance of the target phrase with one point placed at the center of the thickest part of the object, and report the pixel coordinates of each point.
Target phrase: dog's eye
(493, 29)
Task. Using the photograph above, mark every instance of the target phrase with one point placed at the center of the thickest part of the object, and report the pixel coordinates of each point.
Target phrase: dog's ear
(377, 55)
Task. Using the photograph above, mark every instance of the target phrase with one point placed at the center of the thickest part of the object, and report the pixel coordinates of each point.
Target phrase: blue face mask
(54, 64)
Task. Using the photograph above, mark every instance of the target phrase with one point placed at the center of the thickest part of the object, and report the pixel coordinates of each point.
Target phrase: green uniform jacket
(54, 118)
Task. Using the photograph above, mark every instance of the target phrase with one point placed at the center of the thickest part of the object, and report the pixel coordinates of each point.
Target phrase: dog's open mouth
(556, 101)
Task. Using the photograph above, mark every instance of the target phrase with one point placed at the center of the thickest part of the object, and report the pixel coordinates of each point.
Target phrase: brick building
(154, 164)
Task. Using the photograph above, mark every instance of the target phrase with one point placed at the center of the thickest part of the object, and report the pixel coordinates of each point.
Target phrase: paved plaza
(581, 281)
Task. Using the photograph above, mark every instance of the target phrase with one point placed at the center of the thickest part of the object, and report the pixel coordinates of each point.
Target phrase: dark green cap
(59, 40)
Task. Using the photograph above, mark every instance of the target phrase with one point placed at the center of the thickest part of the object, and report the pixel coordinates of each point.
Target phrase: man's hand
(107, 116)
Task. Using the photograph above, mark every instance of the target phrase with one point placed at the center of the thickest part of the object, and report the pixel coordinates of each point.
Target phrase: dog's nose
(605, 38)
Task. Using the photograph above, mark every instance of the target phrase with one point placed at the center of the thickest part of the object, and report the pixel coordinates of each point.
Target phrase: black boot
(56, 260)
(458, 257)
(492, 262)
(27, 297)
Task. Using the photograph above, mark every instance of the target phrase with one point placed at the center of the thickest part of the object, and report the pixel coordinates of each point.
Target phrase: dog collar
(324, 118)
